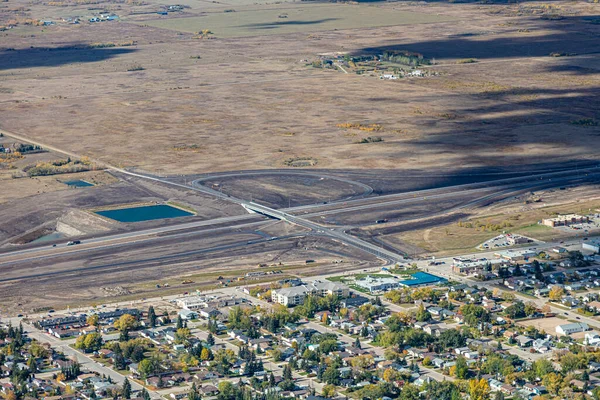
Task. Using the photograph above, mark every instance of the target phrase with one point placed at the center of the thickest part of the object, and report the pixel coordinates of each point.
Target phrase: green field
(293, 19)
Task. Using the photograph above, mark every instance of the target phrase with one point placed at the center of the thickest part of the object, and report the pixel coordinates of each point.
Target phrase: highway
(475, 194)
(498, 187)
(387, 256)
(113, 241)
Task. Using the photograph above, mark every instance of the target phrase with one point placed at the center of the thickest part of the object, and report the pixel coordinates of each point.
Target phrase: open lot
(548, 325)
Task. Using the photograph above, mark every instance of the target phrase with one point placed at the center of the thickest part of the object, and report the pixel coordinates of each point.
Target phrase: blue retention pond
(78, 183)
(144, 213)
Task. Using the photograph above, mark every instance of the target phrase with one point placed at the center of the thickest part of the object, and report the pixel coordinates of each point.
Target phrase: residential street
(85, 361)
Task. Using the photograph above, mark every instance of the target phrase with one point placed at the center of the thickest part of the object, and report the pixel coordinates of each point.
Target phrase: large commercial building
(565, 220)
(422, 279)
(378, 284)
(192, 302)
(294, 296)
(516, 255)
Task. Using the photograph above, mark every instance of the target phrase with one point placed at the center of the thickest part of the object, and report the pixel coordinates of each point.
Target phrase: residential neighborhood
(395, 333)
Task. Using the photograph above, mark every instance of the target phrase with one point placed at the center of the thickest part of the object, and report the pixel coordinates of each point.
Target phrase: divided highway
(484, 192)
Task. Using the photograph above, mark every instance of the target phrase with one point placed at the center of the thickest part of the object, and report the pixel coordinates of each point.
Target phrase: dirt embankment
(79, 223)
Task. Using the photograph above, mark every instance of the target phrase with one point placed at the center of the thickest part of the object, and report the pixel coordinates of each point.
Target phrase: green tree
(193, 394)
(32, 365)
(89, 342)
(271, 380)
(287, 372)
(118, 358)
(422, 314)
(126, 391)
(461, 368)
(596, 393)
(146, 368)
(530, 308)
(542, 367)
(152, 316)
(517, 310)
(409, 392)
(182, 336)
(331, 375)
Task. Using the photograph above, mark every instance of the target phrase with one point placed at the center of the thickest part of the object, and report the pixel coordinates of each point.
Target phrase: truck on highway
(73, 242)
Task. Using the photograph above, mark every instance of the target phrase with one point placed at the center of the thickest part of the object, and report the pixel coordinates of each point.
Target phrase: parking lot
(504, 241)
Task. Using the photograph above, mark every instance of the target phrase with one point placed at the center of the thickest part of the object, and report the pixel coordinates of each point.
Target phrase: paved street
(85, 361)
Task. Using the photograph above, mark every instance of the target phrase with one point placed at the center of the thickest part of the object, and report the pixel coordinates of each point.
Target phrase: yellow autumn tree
(205, 355)
(126, 322)
(390, 375)
(556, 293)
(479, 389)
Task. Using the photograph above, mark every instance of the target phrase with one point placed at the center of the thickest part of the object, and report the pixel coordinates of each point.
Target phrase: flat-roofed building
(295, 295)
(566, 220)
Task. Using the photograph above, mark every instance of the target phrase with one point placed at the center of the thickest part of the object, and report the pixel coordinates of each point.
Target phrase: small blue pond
(78, 183)
(144, 213)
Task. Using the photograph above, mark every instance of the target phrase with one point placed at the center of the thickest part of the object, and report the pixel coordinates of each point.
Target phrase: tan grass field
(237, 99)
(546, 324)
(287, 18)
(454, 239)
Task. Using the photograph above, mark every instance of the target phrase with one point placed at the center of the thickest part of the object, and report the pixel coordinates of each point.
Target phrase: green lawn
(305, 18)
